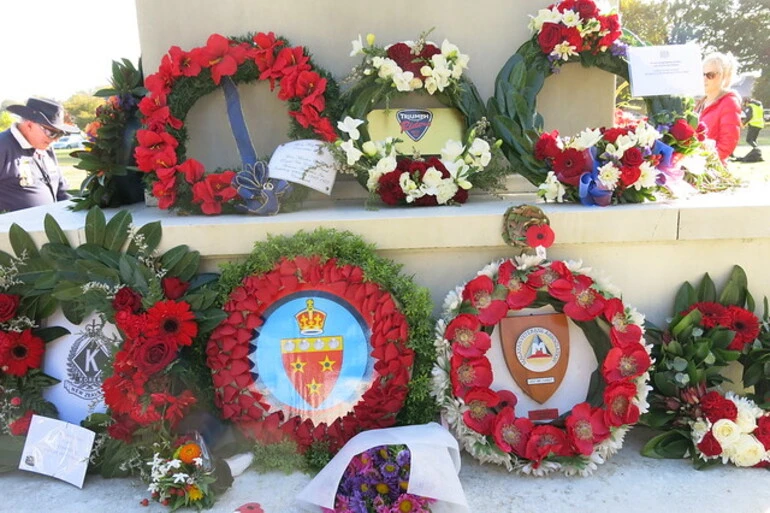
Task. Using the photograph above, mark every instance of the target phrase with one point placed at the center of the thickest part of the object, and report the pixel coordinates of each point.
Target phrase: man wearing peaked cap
(29, 171)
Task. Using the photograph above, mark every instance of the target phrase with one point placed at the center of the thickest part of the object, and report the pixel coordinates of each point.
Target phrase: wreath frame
(173, 91)
(623, 339)
(513, 108)
(343, 249)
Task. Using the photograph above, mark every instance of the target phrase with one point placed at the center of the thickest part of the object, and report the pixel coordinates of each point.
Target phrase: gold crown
(310, 320)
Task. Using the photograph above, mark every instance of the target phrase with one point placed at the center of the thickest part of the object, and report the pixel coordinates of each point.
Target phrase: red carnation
(709, 446)
(20, 352)
(569, 164)
(681, 130)
(389, 188)
(547, 146)
(127, 299)
(716, 407)
(402, 54)
(763, 431)
(9, 303)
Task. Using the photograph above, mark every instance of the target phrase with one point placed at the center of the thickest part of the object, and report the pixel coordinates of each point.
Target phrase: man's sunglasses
(711, 75)
(50, 133)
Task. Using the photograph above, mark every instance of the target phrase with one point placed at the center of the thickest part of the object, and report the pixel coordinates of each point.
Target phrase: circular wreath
(699, 419)
(485, 421)
(184, 77)
(399, 179)
(576, 31)
(394, 309)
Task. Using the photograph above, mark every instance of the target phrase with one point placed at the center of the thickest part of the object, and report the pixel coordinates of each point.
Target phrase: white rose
(746, 420)
(726, 432)
(747, 452)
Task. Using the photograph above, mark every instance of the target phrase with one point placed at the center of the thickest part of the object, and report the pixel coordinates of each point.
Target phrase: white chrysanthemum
(452, 150)
(564, 50)
(453, 299)
(746, 420)
(576, 266)
(585, 139)
(490, 269)
(525, 261)
(726, 433)
(358, 46)
(353, 153)
(699, 429)
(647, 178)
(646, 134)
(747, 451)
(635, 316)
(552, 189)
(602, 282)
(570, 18)
(609, 175)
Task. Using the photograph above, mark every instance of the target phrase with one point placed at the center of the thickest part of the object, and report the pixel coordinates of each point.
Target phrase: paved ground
(628, 483)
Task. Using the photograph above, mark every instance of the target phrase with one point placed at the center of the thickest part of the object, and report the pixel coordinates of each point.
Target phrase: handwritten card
(665, 70)
(306, 162)
(58, 449)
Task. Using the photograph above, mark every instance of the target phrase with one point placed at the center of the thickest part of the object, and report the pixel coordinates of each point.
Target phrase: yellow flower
(194, 493)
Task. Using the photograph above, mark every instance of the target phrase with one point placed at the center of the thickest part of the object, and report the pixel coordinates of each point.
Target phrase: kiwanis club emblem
(414, 122)
(536, 350)
(322, 344)
(87, 357)
(313, 361)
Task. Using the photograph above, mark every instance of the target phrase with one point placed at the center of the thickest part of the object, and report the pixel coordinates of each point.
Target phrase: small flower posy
(180, 476)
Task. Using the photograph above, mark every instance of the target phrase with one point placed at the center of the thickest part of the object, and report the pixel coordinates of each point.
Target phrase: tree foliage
(645, 19)
(6, 120)
(82, 108)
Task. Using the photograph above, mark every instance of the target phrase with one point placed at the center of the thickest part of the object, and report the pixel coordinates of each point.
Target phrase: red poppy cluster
(552, 34)
(742, 322)
(140, 391)
(486, 300)
(229, 352)
(289, 68)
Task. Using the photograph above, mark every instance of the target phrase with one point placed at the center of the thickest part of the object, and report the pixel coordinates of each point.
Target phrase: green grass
(67, 165)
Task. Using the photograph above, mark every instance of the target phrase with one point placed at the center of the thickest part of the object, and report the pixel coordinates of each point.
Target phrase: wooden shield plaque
(536, 350)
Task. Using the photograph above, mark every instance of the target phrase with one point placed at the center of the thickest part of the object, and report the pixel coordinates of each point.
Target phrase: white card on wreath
(665, 70)
(306, 162)
(57, 449)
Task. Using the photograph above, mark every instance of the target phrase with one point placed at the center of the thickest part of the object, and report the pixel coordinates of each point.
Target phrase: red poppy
(510, 433)
(221, 57)
(622, 332)
(745, 325)
(625, 363)
(545, 441)
(520, 294)
(165, 191)
(172, 319)
(480, 415)
(464, 332)
(467, 373)
(619, 408)
(155, 150)
(585, 303)
(540, 235)
(556, 277)
(586, 428)
(478, 292)
(20, 352)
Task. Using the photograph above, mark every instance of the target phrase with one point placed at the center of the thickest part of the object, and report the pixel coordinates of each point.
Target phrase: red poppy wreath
(316, 349)
(185, 76)
(472, 387)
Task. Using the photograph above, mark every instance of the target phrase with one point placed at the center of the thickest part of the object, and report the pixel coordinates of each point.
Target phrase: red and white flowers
(733, 429)
(569, 27)
(484, 418)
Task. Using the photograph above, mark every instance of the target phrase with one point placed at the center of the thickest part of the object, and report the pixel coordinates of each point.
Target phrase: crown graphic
(310, 320)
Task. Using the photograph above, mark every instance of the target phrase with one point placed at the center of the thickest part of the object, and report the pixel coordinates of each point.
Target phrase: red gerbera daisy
(20, 352)
(745, 325)
(172, 319)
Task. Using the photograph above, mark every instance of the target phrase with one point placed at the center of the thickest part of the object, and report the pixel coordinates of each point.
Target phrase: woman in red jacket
(720, 109)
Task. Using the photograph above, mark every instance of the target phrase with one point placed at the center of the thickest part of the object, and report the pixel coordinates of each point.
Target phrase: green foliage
(82, 108)
(6, 120)
(278, 457)
(646, 19)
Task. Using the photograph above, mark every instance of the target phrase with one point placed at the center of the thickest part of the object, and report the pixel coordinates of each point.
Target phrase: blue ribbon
(260, 193)
(590, 193)
(665, 151)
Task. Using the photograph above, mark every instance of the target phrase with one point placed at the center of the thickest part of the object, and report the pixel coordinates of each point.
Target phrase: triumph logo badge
(414, 122)
(536, 350)
(87, 357)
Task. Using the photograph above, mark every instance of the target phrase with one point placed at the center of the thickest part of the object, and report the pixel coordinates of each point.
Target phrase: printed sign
(665, 70)
(423, 131)
(306, 162)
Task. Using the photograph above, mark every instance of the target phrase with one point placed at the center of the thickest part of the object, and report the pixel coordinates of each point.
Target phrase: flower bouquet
(699, 419)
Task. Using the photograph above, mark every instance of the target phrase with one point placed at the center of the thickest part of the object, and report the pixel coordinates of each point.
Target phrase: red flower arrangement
(485, 419)
(238, 394)
(183, 184)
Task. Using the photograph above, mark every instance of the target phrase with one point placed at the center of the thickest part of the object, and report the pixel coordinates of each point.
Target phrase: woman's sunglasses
(51, 134)
(711, 75)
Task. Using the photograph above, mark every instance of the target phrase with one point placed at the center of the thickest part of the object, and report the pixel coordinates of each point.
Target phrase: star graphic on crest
(327, 364)
(314, 388)
(298, 365)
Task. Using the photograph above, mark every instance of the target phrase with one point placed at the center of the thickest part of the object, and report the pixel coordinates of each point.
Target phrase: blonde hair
(727, 64)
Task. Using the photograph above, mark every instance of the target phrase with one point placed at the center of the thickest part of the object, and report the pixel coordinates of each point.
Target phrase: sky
(54, 49)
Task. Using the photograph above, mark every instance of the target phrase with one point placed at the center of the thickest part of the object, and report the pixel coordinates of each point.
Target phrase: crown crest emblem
(310, 320)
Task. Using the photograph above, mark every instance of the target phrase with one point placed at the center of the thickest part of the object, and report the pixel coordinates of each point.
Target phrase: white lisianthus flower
(552, 189)
(350, 126)
(726, 433)
(544, 16)
(387, 164)
(369, 149)
(647, 178)
(460, 65)
(586, 139)
(403, 80)
(564, 51)
(353, 153)
(646, 134)
(747, 452)
(481, 151)
(374, 179)
(452, 150)
(431, 86)
(609, 174)
(358, 46)
(570, 18)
